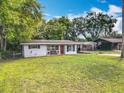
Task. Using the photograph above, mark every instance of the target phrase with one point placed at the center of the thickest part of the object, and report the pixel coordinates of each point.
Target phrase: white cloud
(113, 10)
(46, 14)
(56, 16)
(72, 16)
(118, 25)
(95, 9)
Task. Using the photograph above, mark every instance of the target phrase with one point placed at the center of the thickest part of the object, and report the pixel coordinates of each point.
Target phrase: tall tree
(75, 28)
(65, 22)
(99, 25)
(56, 28)
(122, 51)
(94, 25)
(19, 20)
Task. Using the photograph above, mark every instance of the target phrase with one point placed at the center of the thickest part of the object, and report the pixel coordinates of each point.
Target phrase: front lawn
(102, 52)
(82, 73)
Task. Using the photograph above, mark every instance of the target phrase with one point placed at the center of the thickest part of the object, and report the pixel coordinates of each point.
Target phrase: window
(53, 47)
(34, 46)
(73, 47)
(70, 48)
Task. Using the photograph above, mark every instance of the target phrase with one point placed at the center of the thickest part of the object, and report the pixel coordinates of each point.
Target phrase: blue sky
(75, 8)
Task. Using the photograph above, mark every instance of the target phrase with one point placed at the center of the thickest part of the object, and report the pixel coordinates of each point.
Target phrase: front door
(62, 49)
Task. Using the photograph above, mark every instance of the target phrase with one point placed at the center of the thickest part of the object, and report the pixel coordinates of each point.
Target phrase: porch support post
(59, 50)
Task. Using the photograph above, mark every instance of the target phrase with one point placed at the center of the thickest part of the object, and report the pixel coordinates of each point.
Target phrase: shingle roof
(49, 42)
(113, 40)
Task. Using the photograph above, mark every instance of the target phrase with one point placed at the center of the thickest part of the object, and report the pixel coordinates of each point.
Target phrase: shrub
(10, 54)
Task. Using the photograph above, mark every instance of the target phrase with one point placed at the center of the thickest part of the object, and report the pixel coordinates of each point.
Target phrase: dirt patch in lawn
(117, 55)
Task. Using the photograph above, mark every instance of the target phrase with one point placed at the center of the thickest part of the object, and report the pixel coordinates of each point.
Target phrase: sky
(77, 8)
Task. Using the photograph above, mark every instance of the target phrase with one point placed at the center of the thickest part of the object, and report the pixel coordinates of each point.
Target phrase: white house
(49, 47)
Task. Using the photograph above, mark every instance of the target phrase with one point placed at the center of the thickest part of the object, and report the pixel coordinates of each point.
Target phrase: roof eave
(50, 43)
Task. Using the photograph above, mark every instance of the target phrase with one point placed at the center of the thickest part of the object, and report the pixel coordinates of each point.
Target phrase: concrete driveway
(117, 55)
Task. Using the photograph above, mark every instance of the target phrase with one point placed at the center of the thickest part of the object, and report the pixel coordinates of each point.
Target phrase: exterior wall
(34, 52)
(70, 52)
(43, 51)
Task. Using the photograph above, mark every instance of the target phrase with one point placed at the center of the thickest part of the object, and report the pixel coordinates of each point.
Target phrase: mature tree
(76, 26)
(55, 28)
(53, 31)
(94, 25)
(99, 25)
(122, 52)
(18, 20)
(40, 33)
(65, 22)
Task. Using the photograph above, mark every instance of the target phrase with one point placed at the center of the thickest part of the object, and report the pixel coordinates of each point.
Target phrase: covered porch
(61, 49)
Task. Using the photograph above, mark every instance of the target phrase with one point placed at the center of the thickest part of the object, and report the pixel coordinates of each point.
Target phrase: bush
(5, 54)
(10, 54)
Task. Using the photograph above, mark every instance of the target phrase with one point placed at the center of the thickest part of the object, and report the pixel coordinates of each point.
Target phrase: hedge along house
(48, 47)
(109, 43)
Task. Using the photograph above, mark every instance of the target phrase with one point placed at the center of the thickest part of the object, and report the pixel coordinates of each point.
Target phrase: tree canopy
(90, 27)
(56, 28)
(93, 25)
(19, 20)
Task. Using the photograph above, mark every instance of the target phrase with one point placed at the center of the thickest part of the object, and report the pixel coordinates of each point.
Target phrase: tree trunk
(4, 44)
(3, 39)
(122, 52)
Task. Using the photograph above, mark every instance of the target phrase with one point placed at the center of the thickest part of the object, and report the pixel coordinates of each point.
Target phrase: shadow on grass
(9, 60)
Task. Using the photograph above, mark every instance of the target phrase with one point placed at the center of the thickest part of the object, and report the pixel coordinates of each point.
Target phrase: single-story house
(109, 43)
(87, 46)
(48, 47)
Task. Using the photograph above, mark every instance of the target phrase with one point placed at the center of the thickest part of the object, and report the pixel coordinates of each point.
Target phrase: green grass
(82, 73)
(101, 52)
